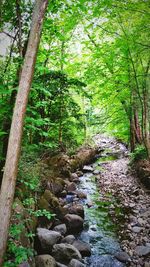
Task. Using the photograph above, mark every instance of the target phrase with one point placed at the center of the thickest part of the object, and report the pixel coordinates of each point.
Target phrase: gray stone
(76, 263)
(69, 239)
(123, 257)
(58, 264)
(142, 250)
(74, 223)
(45, 261)
(65, 252)
(61, 228)
(83, 248)
(136, 229)
(47, 238)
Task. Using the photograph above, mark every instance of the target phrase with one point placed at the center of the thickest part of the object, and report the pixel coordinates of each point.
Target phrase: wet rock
(87, 169)
(142, 250)
(77, 209)
(70, 198)
(79, 173)
(61, 228)
(58, 264)
(69, 239)
(47, 239)
(76, 263)
(136, 229)
(96, 172)
(81, 194)
(45, 261)
(83, 248)
(71, 187)
(74, 223)
(65, 252)
(123, 257)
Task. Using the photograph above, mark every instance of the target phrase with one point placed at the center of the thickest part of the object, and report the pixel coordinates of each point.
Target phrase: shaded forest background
(91, 76)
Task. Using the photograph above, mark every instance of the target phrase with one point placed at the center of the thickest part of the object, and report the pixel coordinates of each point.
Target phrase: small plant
(44, 212)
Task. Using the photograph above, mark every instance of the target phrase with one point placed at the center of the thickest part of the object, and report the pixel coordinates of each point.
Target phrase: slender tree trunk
(13, 152)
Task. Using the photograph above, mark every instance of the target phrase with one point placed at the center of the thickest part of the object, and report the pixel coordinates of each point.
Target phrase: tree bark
(13, 152)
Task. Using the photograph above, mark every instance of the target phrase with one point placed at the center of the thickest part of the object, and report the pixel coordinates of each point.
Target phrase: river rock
(87, 168)
(81, 194)
(123, 257)
(73, 177)
(74, 222)
(77, 209)
(76, 263)
(79, 173)
(56, 186)
(45, 261)
(83, 248)
(142, 250)
(65, 252)
(69, 239)
(136, 229)
(71, 187)
(58, 264)
(47, 238)
(61, 228)
(96, 172)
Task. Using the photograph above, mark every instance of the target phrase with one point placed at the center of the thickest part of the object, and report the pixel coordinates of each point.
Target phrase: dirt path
(133, 201)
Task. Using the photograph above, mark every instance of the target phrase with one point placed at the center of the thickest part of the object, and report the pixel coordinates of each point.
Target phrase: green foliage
(139, 153)
(45, 213)
(16, 253)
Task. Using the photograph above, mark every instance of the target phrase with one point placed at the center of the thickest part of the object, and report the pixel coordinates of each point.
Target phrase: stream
(99, 230)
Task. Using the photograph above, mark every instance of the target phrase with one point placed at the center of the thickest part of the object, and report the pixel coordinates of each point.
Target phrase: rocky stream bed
(102, 212)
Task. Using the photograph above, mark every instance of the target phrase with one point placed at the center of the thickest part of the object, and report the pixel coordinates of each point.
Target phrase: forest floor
(117, 179)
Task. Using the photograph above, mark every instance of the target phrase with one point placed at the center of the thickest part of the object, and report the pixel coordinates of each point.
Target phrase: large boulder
(45, 261)
(61, 228)
(65, 252)
(83, 248)
(76, 263)
(74, 223)
(46, 239)
(55, 185)
(77, 209)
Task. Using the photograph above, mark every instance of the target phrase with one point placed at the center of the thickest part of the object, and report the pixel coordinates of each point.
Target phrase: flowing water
(99, 231)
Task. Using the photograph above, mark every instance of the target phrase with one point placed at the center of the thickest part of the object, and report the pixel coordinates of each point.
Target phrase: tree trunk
(13, 152)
